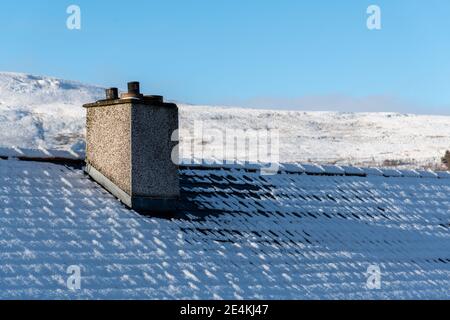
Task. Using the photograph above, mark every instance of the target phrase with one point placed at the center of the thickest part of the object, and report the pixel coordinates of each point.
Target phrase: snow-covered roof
(306, 232)
(41, 154)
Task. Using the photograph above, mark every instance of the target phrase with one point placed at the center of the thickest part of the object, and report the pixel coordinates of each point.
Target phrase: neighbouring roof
(308, 232)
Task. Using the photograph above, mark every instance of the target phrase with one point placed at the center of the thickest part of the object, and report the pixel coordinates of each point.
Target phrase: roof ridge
(44, 154)
(40, 154)
(313, 168)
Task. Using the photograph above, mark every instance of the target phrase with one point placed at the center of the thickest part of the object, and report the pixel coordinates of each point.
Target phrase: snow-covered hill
(42, 112)
(46, 112)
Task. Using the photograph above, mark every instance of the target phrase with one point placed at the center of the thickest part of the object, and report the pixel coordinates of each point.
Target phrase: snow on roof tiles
(313, 169)
(353, 170)
(443, 174)
(427, 174)
(293, 168)
(238, 235)
(410, 173)
(333, 170)
(40, 154)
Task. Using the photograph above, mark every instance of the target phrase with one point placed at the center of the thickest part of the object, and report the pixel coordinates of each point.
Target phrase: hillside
(46, 112)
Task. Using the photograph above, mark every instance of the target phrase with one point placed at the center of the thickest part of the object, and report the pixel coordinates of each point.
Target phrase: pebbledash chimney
(130, 149)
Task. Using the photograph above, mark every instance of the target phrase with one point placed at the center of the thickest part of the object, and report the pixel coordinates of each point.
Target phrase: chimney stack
(129, 149)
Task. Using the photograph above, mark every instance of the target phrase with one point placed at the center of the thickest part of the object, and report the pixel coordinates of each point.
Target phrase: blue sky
(288, 54)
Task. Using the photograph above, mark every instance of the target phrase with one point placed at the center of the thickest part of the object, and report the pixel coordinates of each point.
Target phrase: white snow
(46, 112)
(378, 139)
(43, 112)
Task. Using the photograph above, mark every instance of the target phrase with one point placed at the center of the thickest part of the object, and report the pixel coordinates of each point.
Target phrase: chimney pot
(134, 88)
(112, 93)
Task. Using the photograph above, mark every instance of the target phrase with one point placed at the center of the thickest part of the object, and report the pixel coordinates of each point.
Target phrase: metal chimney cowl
(129, 149)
